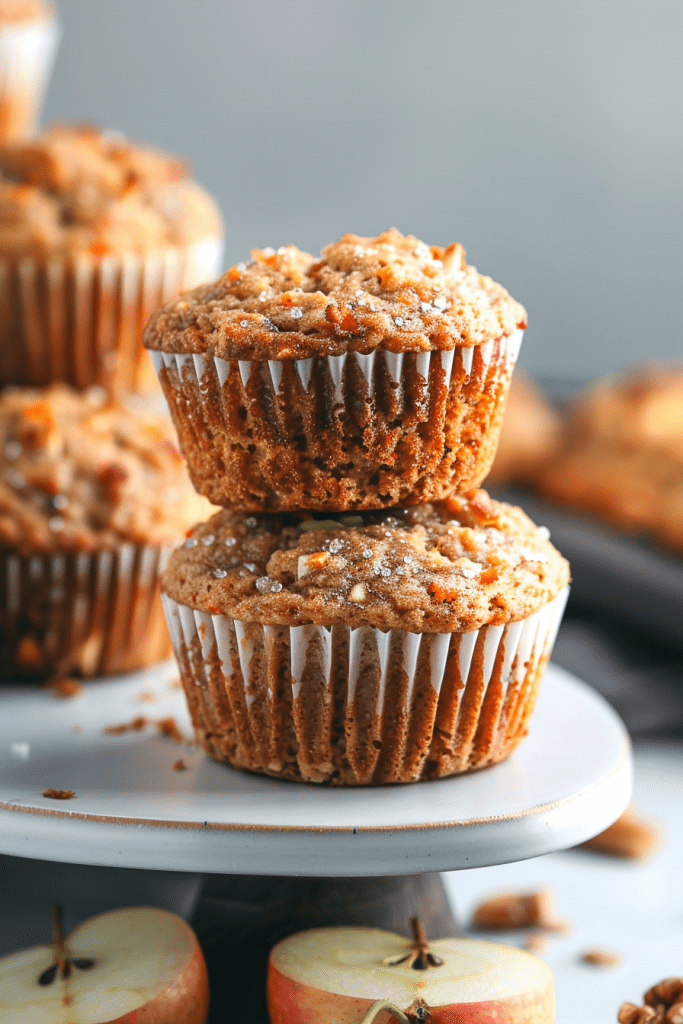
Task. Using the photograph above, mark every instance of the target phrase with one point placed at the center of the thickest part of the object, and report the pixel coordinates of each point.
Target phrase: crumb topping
(78, 189)
(391, 291)
(451, 566)
(79, 472)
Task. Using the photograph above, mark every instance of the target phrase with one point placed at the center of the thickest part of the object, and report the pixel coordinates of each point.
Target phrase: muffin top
(78, 472)
(25, 10)
(77, 189)
(452, 566)
(391, 291)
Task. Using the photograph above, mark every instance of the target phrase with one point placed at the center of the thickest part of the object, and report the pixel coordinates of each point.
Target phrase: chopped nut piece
(663, 1005)
(601, 958)
(308, 563)
(180, 765)
(135, 725)
(518, 910)
(59, 794)
(168, 727)
(358, 593)
(630, 837)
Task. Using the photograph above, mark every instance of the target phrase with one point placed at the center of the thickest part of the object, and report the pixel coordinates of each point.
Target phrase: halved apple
(134, 965)
(336, 974)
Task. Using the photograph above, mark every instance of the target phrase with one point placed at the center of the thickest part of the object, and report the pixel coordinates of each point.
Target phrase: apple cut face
(342, 971)
(118, 962)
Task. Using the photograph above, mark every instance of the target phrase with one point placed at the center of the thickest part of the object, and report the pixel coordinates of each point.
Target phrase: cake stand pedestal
(280, 856)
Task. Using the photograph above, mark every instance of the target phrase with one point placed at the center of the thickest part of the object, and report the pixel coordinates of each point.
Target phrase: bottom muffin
(366, 649)
(92, 498)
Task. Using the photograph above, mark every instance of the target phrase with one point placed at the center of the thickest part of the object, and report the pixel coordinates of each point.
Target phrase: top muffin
(361, 293)
(77, 188)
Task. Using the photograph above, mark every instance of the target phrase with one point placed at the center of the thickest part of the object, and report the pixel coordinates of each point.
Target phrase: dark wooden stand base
(239, 918)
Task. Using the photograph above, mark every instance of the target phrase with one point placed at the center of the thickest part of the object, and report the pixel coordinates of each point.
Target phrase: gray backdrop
(545, 136)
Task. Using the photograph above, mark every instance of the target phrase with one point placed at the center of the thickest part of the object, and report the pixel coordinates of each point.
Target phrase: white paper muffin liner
(27, 52)
(359, 706)
(80, 320)
(240, 422)
(95, 613)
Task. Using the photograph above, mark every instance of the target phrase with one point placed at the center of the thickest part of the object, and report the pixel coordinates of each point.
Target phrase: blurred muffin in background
(622, 453)
(530, 435)
(29, 35)
(92, 498)
(95, 233)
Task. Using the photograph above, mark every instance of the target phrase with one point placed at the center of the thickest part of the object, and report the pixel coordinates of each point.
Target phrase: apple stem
(57, 926)
(382, 1004)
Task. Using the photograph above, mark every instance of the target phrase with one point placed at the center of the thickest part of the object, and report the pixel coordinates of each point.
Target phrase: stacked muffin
(95, 232)
(359, 613)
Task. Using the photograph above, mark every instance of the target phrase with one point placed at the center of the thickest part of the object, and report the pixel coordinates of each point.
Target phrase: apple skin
(185, 1001)
(291, 1002)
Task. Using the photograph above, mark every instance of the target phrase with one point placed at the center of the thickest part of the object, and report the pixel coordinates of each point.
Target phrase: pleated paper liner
(27, 51)
(334, 433)
(80, 320)
(94, 613)
(356, 707)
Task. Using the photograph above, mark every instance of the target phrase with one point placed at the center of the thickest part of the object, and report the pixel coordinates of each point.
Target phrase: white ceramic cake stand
(568, 780)
(279, 856)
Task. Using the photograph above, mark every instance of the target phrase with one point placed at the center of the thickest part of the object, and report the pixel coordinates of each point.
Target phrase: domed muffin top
(77, 189)
(391, 291)
(452, 566)
(80, 473)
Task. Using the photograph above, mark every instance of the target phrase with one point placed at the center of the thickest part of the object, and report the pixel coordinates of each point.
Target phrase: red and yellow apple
(336, 974)
(138, 965)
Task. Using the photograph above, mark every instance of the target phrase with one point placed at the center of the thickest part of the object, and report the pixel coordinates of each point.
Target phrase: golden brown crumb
(66, 688)
(147, 697)
(630, 837)
(168, 727)
(601, 958)
(59, 794)
(180, 765)
(512, 910)
(133, 726)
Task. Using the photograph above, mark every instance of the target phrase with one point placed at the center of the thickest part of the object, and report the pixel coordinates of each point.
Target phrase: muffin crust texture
(78, 189)
(449, 567)
(392, 291)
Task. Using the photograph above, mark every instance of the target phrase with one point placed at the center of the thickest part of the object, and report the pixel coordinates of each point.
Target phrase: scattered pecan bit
(135, 725)
(180, 765)
(601, 958)
(65, 687)
(663, 1004)
(518, 910)
(168, 727)
(535, 942)
(59, 794)
(630, 837)
(146, 697)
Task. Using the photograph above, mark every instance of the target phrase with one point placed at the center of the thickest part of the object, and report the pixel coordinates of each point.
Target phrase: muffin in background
(95, 232)
(92, 498)
(364, 649)
(530, 434)
(29, 36)
(622, 453)
(373, 376)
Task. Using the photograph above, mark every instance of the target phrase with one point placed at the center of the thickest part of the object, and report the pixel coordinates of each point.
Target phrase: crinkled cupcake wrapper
(387, 427)
(27, 52)
(95, 613)
(359, 706)
(80, 320)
